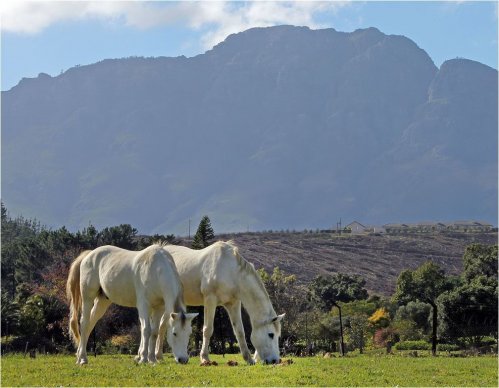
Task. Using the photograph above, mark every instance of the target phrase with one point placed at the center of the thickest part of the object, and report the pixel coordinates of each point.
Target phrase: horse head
(179, 330)
(265, 339)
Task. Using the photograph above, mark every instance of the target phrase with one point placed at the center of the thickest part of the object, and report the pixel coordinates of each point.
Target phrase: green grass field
(353, 370)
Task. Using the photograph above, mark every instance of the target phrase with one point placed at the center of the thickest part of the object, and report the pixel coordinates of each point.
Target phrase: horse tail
(73, 293)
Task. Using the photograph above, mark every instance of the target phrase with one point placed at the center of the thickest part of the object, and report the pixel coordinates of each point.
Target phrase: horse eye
(271, 335)
(175, 334)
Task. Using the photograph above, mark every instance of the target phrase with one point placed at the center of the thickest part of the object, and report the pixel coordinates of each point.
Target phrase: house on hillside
(470, 226)
(377, 229)
(420, 227)
(396, 228)
(427, 227)
(431, 227)
(356, 227)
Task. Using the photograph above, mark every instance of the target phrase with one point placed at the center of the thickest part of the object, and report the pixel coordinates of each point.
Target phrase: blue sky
(50, 37)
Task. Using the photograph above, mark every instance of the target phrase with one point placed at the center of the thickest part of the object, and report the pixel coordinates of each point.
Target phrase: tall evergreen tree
(204, 234)
(202, 239)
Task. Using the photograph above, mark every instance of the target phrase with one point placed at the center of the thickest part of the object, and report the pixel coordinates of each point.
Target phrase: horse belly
(192, 294)
(121, 299)
(120, 292)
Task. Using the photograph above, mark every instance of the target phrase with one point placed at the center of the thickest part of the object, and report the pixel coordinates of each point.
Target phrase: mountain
(274, 128)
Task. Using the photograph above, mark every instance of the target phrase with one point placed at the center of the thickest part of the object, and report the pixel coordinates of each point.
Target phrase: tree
(357, 330)
(380, 318)
(204, 234)
(412, 320)
(122, 236)
(281, 290)
(201, 240)
(286, 297)
(87, 239)
(470, 309)
(480, 260)
(327, 292)
(9, 314)
(425, 284)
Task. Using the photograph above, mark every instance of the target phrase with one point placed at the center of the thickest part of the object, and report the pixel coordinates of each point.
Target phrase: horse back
(213, 270)
(107, 271)
(156, 276)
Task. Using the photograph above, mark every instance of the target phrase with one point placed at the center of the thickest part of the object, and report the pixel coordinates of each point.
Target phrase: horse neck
(179, 305)
(255, 299)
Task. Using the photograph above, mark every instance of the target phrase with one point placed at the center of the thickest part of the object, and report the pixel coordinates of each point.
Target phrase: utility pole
(189, 228)
(342, 343)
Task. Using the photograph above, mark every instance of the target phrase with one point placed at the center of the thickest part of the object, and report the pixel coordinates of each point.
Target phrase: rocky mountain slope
(274, 128)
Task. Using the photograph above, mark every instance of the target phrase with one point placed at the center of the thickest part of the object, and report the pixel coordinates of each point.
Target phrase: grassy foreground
(354, 370)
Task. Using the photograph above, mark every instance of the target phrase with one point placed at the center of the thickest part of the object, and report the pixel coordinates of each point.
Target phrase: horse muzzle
(182, 360)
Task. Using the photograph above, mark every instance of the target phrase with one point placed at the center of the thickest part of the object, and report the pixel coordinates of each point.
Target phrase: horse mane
(161, 243)
(245, 266)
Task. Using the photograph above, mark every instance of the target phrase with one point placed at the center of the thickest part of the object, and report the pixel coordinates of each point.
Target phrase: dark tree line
(35, 263)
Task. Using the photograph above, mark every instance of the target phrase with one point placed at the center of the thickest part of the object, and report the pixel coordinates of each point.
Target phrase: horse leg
(155, 319)
(86, 307)
(234, 311)
(145, 331)
(210, 304)
(101, 304)
(163, 326)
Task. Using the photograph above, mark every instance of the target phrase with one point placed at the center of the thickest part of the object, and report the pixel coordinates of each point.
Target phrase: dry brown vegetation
(379, 259)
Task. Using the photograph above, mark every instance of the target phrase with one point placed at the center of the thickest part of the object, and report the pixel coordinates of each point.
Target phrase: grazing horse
(218, 275)
(147, 280)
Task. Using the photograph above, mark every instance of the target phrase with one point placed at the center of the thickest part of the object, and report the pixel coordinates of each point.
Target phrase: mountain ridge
(280, 127)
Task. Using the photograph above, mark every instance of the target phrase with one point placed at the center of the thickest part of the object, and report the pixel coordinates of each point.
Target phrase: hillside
(279, 127)
(379, 259)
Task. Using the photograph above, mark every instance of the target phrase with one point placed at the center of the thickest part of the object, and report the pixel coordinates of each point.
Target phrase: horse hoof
(83, 362)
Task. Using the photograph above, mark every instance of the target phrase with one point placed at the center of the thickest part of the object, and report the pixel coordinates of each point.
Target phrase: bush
(385, 336)
(448, 347)
(423, 345)
(412, 345)
(123, 342)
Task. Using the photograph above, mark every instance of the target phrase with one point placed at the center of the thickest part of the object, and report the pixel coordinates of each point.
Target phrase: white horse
(147, 280)
(218, 275)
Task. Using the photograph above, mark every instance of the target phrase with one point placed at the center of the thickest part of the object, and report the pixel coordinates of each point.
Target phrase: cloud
(231, 17)
(214, 19)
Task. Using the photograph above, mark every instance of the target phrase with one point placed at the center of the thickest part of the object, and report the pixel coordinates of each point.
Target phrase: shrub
(408, 330)
(125, 343)
(413, 345)
(383, 337)
(423, 345)
(380, 318)
(448, 347)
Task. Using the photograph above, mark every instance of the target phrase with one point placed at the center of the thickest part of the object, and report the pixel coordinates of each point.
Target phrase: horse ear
(191, 316)
(278, 318)
(173, 316)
